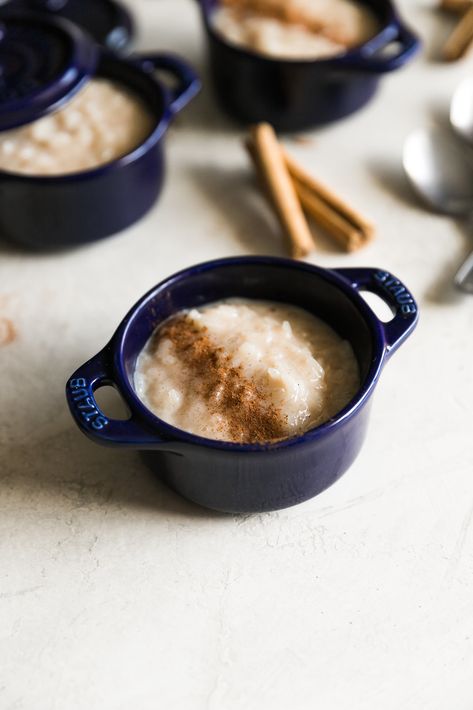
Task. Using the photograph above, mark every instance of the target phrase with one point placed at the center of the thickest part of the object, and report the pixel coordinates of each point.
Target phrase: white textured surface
(117, 594)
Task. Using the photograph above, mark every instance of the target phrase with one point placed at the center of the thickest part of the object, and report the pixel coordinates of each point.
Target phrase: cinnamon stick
(456, 6)
(461, 40)
(349, 238)
(281, 189)
(303, 179)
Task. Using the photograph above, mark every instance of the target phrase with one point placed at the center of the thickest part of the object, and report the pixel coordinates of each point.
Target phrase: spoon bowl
(440, 171)
(461, 120)
(461, 111)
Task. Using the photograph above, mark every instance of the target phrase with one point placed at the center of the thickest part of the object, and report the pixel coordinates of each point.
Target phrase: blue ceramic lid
(107, 21)
(43, 63)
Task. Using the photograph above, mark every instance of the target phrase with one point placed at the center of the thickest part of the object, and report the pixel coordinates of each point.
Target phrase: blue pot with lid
(107, 21)
(44, 63)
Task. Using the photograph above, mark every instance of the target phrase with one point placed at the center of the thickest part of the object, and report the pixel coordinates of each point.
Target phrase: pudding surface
(101, 123)
(246, 371)
(295, 29)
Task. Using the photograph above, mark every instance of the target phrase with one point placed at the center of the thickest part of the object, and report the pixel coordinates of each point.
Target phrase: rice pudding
(246, 371)
(295, 29)
(101, 123)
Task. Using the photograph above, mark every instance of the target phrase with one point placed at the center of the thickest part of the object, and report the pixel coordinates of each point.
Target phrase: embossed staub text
(403, 298)
(85, 404)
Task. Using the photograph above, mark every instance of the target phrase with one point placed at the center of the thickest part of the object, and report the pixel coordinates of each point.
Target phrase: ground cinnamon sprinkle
(249, 415)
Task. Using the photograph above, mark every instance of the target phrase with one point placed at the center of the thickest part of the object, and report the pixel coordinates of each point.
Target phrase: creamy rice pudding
(100, 124)
(246, 371)
(295, 29)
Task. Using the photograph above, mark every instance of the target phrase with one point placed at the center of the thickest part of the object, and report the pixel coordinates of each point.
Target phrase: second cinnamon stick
(349, 237)
(456, 6)
(461, 40)
(338, 205)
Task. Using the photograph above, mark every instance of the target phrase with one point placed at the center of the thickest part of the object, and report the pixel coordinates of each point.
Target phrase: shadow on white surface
(243, 207)
(66, 473)
(390, 177)
(204, 113)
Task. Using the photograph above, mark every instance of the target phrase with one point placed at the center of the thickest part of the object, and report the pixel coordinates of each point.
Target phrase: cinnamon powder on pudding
(249, 416)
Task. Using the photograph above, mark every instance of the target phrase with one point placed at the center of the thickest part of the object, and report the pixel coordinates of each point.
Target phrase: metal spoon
(441, 173)
(461, 111)
(461, 120)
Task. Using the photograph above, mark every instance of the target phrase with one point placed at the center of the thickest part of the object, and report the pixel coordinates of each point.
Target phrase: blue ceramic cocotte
(57, 59)
(107, 21)
(240, 478)
(294, 95)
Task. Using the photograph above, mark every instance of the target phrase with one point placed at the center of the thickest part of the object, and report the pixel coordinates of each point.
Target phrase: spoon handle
(464, 276)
